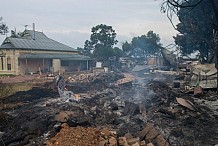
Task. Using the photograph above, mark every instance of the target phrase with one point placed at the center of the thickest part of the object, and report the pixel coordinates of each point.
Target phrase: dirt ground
(17, 79)
(110, 112)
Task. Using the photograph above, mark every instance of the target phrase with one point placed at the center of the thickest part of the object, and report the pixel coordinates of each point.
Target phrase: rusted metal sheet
(186, 103)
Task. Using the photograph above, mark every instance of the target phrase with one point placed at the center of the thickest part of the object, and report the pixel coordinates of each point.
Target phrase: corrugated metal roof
(54, 56)
(41, 42)
(7, 45)
(28, 34)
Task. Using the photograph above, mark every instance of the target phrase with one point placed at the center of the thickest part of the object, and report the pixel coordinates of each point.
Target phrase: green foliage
(3, 27)
(80, 50)
(7, 75)
(101, 43)
(143, 46)
(87, 48)
(103, 35)
(117, 52)
(195, 34)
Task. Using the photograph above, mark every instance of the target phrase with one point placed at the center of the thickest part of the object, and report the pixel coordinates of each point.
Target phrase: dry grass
(9, 89)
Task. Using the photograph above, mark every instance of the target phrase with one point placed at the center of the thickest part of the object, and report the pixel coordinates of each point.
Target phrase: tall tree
(101, 42)
(143, 46)
(173, 6)
(103, 35)
(87, 48)
(3, 27)
(199, 18)
(118, 53)
(195, 34)
(3, 31)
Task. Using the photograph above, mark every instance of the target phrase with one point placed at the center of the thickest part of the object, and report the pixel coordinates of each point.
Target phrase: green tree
(3, 27)
(143, 46)
(87, 48)
(173, 6)
(103, 35)
(101, 42)
(195, 34)
(3, 31)
(80, 50)
(118, 53)
(127, 48)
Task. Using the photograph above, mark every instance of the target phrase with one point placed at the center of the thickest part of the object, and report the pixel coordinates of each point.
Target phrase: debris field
(113, 109)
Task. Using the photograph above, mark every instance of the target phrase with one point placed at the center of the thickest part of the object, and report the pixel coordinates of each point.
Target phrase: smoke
(138, 93)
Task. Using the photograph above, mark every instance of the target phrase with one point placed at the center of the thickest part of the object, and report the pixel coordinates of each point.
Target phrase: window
(9, 63)
(2, 63)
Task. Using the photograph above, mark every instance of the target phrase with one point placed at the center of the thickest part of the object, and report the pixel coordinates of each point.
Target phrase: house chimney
(34, 36)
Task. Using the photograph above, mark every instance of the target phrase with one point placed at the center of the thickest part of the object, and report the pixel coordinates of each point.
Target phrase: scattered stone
(143, 143)
(152, 133)
(128, 136)
(143, 133)
(133, 141)
(150, 144)
(102, 142)
(112, 141)
(123, 142)
(160, 140)
(63, 116)
(135, 144)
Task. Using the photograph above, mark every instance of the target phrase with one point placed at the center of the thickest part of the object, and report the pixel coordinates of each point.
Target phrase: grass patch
(9, 89)
(7, 75)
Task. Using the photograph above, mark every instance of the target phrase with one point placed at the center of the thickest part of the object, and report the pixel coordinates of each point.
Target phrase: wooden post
(26, 70)
(43, 64)
(87, 65)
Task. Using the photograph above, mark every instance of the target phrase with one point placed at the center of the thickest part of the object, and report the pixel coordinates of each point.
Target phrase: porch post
(43, 64)
(1, 63)
(5, 63)
(87, 65)
(26, 70)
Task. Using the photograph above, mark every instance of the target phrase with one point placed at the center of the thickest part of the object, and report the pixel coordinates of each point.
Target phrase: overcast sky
(70, 21)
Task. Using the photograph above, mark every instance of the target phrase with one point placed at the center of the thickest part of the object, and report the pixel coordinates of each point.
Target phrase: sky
(70, 21)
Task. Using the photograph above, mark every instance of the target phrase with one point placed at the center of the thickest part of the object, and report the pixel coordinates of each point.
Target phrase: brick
(112, 141)
(143, 133)
(152, 133)
(133, 141)
(150, 144)
(160, 140)
(128, 136)
(122, 141)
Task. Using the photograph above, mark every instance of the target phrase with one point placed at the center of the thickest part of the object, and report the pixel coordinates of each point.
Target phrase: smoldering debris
(110, 114)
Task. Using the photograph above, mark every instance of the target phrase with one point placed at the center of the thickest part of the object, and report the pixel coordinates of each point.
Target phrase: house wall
(28, 66)
(8, 62)
(56, 64)
(24, 66)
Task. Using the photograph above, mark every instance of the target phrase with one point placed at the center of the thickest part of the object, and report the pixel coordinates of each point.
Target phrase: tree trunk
(215, 9)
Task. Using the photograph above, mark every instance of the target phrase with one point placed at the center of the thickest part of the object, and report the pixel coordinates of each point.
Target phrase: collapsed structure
(113, 109)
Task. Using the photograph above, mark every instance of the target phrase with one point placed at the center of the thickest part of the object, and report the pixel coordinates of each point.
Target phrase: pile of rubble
(91, 81)
(141, 114)
(82, 136)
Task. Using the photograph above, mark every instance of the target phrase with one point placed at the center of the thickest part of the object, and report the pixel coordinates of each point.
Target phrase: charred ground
(146, 109)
